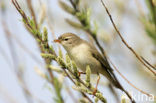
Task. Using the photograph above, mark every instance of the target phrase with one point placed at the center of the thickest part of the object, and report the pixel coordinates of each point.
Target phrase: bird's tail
(112, 78)
(119, 86)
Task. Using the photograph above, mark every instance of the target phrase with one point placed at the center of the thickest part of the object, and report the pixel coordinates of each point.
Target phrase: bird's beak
(57, 41)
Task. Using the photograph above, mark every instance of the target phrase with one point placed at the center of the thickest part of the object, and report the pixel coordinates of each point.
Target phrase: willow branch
(42, 43)
(75, 84)
(148, 62)
(32, 12)
(130, 48)
(74, 11)
(83, 83)
(18, 8)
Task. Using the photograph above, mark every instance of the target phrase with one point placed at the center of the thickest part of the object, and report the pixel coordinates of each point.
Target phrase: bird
(84, 53)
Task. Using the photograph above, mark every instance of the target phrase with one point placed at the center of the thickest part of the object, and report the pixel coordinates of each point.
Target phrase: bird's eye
(66, 39)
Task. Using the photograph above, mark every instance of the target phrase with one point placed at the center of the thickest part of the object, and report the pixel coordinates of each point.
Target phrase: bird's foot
(79, 73)
(94, 92)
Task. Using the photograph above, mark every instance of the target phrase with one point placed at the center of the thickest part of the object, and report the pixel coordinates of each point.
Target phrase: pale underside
(85, 54)
(82, 57)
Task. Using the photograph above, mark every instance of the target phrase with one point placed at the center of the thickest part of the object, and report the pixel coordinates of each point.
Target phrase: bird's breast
(82, 57)
(80, 52)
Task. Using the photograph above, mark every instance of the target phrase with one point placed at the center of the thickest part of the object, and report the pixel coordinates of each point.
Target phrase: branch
(130, 82)
(42, 40)
(84, 24)
(72, 69)
(75, 84)
(130, 48)
(148, 62)
(32, 12)
(18, 8)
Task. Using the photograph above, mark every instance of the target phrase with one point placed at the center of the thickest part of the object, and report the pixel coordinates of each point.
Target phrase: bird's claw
(94, 92)
(79, 73)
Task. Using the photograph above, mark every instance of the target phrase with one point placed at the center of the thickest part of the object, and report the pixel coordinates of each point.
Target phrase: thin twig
(130, 82)
(26, 20)
(36, 36)
(32, 12)
(140, 8)
(81, 81)
(97, 43)
(75, 83)
(74, 5)
(130, 48)
(18, 8)
(89, 31)
(148, 63)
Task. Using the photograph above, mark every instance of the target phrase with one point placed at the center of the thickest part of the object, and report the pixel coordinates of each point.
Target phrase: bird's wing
(104, 63)
(103, 60)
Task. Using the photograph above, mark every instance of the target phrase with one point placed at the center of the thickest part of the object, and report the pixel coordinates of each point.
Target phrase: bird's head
(68, 40)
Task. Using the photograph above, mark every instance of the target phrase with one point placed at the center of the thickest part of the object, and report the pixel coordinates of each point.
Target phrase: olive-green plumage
(83, 54)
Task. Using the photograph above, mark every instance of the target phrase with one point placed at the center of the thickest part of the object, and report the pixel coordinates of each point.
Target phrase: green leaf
(60, 53)
(66, 7)
(50, 56)
(75, 69)
(45, 34)
(88, 72)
